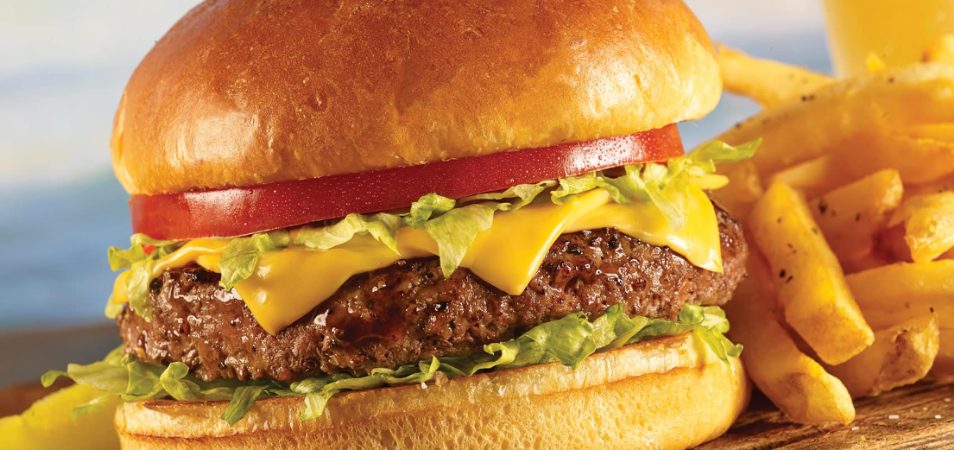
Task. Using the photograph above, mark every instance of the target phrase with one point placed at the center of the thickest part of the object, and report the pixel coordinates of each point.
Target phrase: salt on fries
(798, 384)
(852, 216)
(866, 124)
(849, 203)
(759, 78)
(902, 291)
(941, 51)
(812, 291)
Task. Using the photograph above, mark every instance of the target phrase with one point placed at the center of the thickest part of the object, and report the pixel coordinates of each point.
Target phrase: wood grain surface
(918, 416)
(915, 417)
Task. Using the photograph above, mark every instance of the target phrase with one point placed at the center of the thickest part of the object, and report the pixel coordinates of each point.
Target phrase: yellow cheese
(697, 241)
(205, 252)
(509, 253)
(289, 283)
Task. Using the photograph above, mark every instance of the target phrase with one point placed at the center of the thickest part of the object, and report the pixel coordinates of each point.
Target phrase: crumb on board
(938, 416)
(894, 417)
(855, 428)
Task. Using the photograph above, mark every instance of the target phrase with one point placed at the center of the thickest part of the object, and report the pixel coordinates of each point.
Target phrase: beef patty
(409, 311)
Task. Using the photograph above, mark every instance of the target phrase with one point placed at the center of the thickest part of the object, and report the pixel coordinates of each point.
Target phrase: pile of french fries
(849, 209)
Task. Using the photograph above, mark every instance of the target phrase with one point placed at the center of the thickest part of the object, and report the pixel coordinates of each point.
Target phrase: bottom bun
(666, 393)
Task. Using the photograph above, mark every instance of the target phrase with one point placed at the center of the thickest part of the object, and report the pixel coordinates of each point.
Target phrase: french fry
(798, 385)
(920, 158)
(848, 119)
(948, 254)
(765, 81)
(928, 223)
(851, 216)
(812, 290)
(941, 51)
(893, 133)
(940, 185)
(813, 177)
(869, 261)
(900, 355)
(890, 245)
(902, 291)
(944, 363)
(744, 188)
(936, 131)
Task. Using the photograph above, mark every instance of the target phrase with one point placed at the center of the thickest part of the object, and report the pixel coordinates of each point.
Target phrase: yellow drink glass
(897, 31)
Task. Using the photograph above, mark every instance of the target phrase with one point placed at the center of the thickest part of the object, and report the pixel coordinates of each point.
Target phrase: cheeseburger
(451, 224)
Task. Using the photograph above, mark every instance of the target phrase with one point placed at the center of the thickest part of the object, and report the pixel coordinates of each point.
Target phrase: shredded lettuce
(662, 184)
(568, 340)
(515, 197)
(381, 227)
(453, 224)
(240, 256)
(715, 152)
(121, 258)
(137, 287)
(427, 207)
(455, 230)
(454, 227)
(577, 185)
(138, 259)
(242, 400)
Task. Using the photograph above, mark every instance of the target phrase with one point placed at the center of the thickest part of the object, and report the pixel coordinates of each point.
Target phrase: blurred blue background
(63, 65)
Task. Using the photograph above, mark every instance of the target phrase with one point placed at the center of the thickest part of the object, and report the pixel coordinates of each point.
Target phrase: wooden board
(919, 416)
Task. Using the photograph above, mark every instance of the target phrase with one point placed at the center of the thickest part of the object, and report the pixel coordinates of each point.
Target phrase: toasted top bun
(667, 393)
(245, 92)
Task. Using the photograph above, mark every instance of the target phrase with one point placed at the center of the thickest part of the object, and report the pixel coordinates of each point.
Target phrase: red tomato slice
(252, 209)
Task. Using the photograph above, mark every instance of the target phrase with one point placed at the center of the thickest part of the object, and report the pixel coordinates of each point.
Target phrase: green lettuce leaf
(173, 381)
(426, 207)
(122, 258)
(577, 185)
(139, 262)
(137, 287)
(143, 382)
(100, 375)
(513, 198)
(240, 256)
(568, 340)
(715, 152)
(317, 392)
(665, 185)
(455, 230)
(113, 308)
(381, 227)
(454, 226)
(242, 401)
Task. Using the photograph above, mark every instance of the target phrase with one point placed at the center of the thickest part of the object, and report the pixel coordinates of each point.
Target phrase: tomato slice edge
(239, 211)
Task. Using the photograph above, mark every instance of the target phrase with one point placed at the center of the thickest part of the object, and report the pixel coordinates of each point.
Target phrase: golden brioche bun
(668, 393)
(244, 92)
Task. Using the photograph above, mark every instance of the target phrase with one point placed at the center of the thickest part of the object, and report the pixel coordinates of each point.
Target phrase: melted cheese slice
(289, 283)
